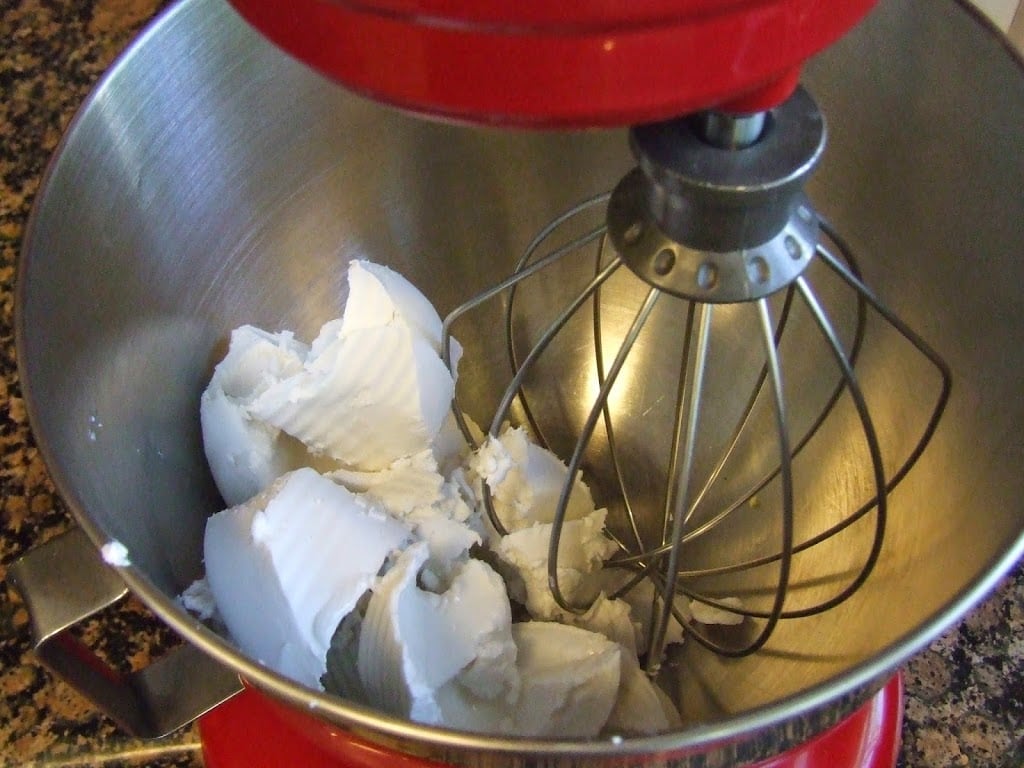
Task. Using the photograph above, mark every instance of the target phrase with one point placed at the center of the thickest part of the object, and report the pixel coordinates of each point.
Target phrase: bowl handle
(65, 581)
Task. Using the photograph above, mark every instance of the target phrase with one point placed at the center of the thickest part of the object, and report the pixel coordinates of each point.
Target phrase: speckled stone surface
(965, 694)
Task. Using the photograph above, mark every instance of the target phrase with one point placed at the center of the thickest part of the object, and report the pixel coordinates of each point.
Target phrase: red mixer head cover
(569, 63)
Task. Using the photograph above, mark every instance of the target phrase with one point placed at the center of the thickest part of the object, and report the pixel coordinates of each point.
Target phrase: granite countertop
(965, 694)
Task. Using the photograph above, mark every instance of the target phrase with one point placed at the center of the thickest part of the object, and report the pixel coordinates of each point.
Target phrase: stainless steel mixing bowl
(209, 181)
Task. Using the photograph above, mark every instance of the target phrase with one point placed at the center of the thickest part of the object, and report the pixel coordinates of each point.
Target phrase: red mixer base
(248, 731)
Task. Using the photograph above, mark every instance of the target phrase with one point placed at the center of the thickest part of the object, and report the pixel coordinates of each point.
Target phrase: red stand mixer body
(567, 64)
(571, 64)
(254, 731)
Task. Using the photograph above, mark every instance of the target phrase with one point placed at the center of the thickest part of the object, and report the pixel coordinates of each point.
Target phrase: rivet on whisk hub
(664, 261)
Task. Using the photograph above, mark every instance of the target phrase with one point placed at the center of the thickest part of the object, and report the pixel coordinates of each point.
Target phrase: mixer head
(576, 63)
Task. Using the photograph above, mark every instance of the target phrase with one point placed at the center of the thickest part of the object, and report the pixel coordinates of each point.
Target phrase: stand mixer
(705, 272)
(714, 218)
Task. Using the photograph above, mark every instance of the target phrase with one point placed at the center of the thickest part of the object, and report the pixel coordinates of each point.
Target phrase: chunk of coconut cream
(569, 683)
(570, 680)
(380, 296)
(376, 372)
(526, 480)
(246, 454)
(641, 707)
(287, 566)
(414, 642)
(414, 490)
(582, 550)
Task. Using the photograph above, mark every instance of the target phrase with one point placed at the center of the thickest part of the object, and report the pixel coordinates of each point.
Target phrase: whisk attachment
(715, 224)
